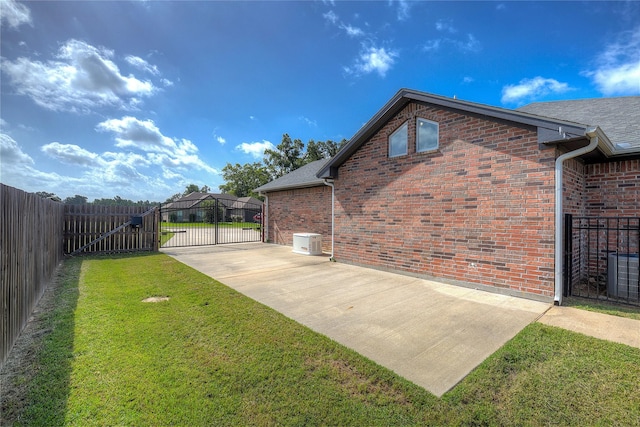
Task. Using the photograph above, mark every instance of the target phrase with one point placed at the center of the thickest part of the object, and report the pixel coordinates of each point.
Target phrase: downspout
(265, 220)
(593, 143)
(265, 216)
(333, 201)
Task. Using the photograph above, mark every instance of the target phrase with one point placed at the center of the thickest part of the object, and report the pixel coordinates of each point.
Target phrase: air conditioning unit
(307, 243)
(622, 276)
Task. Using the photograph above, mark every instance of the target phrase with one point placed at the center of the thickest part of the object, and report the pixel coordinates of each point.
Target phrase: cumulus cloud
(221, 140)
(531, 89)
(617, 70)
(331, 17)
(71, 154)
(256, 149)
(11, 154)
(14, 14)
(145, 136)
(82, 78)
(373, 59)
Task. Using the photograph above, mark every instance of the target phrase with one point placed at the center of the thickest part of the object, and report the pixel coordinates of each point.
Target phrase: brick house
(466, 193)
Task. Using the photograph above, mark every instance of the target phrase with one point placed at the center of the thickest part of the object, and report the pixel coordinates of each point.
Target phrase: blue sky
(139, 99)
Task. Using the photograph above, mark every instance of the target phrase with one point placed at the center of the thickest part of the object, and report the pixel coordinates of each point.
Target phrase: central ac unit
(307, 243)
(622, 276)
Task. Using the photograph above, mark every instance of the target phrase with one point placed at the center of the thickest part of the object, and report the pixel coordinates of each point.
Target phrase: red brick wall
(478, 210)
(613, 189)
(306, 210)
(574, 193)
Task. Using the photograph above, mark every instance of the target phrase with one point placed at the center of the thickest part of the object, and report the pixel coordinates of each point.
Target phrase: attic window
(398, 141)
(426, 135)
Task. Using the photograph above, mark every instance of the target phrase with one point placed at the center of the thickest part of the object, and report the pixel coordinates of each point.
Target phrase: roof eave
(548, 129)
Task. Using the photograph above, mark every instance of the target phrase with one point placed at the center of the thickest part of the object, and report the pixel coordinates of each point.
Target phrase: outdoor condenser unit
(307, 243)
(622, 276)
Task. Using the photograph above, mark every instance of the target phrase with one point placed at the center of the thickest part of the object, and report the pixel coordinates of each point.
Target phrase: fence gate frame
(601, 258)
(213, 221)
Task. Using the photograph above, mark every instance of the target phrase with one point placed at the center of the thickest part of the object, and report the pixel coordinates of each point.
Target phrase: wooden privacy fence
(109, 229)
(31, 236)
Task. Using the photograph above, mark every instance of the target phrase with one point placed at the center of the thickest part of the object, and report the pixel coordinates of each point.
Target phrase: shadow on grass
(50, 350)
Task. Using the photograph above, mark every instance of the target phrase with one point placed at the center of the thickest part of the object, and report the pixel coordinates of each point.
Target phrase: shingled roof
(619, 118)
(300, 178)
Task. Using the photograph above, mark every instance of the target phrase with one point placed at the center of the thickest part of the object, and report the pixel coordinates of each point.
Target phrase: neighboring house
(466, 193)
(245, 208)
(191, 208)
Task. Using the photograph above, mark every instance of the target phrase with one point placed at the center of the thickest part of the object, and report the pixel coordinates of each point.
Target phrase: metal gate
(601, 258)
(210, 222)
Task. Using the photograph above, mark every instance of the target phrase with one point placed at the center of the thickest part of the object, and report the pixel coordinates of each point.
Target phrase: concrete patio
(431, 333)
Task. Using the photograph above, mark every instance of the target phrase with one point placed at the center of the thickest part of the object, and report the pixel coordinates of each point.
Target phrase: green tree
(76, 200)
(286, 157)
(241, 180)
(322, 150)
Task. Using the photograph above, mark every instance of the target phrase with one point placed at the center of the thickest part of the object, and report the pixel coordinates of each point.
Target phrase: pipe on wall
(333, 201)
(559, 224)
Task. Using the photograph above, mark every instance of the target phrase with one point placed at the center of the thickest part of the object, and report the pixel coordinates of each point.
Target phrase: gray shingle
(619, 118)
(299, 178)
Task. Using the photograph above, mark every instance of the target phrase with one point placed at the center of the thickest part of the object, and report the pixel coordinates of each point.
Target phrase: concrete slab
(431, 333)
(603, 326)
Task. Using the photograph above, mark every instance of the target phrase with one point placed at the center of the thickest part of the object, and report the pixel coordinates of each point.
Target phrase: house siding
(305, 210)
(479, 210)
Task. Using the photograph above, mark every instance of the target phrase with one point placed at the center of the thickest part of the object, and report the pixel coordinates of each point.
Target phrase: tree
(211, 214)
(241, 180)
(191, 188)
(173, 198)
(76, 200)
(286, 157)
(322, 150)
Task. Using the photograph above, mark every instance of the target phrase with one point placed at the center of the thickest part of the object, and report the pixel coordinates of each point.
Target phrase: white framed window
(426, 135)
(398, 141)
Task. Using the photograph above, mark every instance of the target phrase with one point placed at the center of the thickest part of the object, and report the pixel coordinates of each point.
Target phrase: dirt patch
(21, 365)
(155, 299)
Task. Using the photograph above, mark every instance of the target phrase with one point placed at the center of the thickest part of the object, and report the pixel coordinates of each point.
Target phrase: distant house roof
(549, 129)
(619, 118)
(303, 177)
(193, 199)
(246, 203)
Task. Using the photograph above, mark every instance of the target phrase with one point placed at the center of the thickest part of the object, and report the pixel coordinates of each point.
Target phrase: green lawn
(210, 356)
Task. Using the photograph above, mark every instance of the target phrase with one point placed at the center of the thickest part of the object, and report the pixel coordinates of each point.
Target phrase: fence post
(567, 275)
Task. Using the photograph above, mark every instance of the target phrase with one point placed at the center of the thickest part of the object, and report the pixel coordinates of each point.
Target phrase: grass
(210, 356)
(604, 307)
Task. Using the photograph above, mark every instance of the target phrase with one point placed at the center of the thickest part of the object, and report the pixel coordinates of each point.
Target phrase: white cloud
(221, 140)
(14, 13)
(468, 79)
(308, 121)
(373, 59)
(445, 26)
(83, 78)
(352, 31)
(11, 154)
(141, 64)
(331, 17)
(403, 10)
(256, 149)
(141, 134)
(531, 89)
(144, 135)
(618, 66)
(468, 44)
(71, 154)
